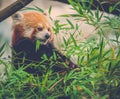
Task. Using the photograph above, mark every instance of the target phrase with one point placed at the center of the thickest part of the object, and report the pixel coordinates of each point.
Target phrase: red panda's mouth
(43, 41)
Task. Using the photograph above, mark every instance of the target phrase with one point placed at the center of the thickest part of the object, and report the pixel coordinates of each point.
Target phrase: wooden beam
(14, 7)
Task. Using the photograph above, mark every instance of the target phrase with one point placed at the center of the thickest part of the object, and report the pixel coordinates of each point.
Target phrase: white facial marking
(41, 35)
(28, 32)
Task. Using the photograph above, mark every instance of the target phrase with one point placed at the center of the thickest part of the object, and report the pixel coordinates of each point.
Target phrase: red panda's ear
(17, 17)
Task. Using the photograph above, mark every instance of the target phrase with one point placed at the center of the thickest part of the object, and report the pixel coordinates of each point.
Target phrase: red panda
(29, 27)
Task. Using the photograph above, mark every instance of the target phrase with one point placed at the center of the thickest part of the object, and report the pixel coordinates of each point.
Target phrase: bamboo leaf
(70, 23)
(38, 43)
(50, 9)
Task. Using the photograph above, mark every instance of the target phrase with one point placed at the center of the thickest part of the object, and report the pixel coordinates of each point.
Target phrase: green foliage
(98, 74)
(35, 8)
(38, 44)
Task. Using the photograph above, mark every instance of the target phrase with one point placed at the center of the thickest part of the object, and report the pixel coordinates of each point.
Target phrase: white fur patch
(28, 32)
(41, 34)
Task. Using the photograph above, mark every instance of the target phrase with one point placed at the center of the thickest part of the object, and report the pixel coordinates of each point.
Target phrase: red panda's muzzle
(43, 36)
(47, 36)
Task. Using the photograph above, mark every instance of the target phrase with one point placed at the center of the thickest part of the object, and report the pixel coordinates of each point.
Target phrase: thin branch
(55, 84)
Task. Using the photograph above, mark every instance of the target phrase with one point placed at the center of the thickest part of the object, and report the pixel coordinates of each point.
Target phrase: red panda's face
(32, 25)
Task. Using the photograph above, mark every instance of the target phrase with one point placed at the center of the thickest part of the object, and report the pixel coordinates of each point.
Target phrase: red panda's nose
(47, 36)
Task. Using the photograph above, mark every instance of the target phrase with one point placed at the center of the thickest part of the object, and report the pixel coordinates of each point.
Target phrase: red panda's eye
(48, 29)
(39, 28)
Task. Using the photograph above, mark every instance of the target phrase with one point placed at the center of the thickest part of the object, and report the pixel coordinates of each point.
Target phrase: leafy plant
(98, 74)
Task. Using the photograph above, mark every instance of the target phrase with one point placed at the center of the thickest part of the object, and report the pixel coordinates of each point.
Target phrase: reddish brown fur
(17, 33)
(30, 19)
